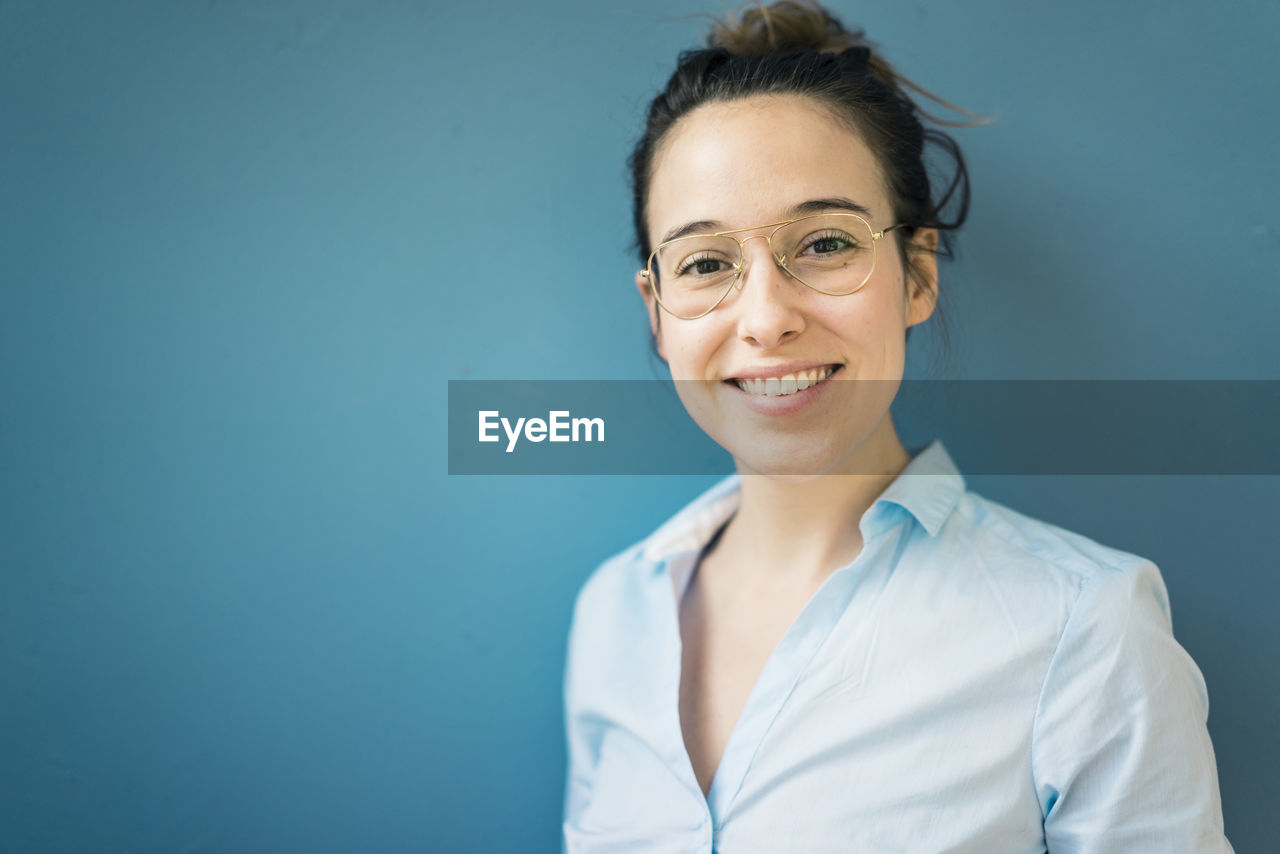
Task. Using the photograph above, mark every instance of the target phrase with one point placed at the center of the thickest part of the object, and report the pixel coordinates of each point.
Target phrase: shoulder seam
(1044, 681)
(1002, 535)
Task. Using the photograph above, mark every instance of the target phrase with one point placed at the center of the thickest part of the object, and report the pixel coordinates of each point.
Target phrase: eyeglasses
(833, 253)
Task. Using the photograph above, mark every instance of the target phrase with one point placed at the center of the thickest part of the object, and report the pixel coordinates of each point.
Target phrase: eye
(703, 265)
(829, 242)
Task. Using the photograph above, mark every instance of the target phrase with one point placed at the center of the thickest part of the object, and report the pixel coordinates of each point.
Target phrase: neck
(809, 528)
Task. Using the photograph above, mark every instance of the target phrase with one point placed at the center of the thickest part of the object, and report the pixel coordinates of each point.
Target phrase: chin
(819, 440)
(794, 459)
(745, 471)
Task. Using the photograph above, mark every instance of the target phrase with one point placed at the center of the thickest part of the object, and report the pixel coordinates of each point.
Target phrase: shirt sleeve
(1120, 752)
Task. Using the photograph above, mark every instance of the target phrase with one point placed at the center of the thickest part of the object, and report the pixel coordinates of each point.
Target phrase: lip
(765, 372)
(785, 404)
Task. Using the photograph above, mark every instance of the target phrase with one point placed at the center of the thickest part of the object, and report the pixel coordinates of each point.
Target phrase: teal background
(245, 245)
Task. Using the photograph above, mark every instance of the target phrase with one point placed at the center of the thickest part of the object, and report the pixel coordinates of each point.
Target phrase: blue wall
(245, 245)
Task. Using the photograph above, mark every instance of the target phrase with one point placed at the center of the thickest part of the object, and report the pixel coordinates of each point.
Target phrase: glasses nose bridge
(773, 255)
(766, 236)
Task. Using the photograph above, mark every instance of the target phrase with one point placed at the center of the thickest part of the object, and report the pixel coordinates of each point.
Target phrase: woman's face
(756, 161)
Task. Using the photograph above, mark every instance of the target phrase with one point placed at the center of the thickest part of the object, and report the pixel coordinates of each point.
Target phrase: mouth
(785, 385)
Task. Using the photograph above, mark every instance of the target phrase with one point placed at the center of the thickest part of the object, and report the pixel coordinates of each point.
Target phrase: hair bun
(791, 26)
(783, 27)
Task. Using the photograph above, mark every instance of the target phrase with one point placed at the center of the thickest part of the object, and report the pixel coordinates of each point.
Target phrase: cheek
(872, 326)
(681, 353)
(872, 318)
(690, 346)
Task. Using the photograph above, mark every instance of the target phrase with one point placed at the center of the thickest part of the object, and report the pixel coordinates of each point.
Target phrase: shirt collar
(929, 488)
(930, 499)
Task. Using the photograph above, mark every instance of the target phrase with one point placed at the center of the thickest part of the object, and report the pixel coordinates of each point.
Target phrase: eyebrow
(812, 206)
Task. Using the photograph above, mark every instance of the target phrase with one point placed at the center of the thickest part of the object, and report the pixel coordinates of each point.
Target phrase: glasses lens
(691, 274)
(832, 253)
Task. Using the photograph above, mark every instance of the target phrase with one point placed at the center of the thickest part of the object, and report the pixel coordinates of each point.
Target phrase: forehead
(746, 162)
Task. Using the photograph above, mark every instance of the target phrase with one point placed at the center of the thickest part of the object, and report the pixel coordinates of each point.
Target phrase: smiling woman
(841, 647)
(788, 305)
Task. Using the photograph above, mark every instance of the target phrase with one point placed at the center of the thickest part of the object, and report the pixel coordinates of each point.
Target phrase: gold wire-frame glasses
(831, 269)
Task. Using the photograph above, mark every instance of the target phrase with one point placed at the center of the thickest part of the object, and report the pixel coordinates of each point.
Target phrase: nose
(768, 300)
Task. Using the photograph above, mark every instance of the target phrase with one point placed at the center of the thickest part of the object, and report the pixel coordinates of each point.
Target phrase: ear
(922, 297)
(651, 304)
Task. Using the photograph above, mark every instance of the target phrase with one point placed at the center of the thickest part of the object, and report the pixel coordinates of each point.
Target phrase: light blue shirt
(975, 681)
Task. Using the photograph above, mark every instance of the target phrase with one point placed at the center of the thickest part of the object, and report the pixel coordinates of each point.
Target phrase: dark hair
(801, 48)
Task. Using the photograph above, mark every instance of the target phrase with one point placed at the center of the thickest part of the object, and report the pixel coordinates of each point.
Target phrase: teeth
(790, 384)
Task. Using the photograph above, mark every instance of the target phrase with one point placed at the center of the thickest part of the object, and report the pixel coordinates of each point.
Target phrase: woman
(841, 648)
